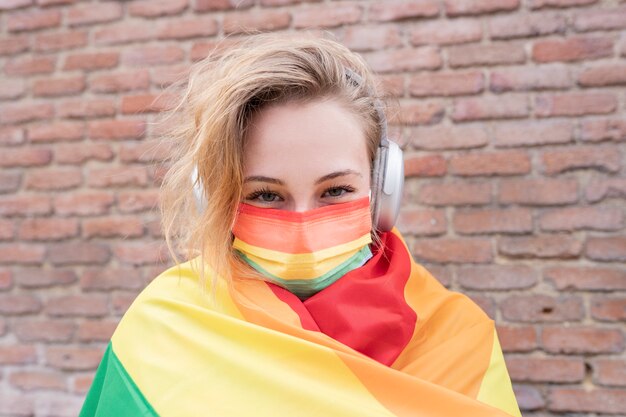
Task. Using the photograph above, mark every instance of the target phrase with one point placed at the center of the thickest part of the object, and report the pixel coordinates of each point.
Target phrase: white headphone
(387, 175)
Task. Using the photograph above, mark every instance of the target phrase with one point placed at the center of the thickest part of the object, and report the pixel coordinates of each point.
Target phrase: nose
(302, 204)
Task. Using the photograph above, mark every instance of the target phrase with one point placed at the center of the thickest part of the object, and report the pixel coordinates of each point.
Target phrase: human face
(301, 156)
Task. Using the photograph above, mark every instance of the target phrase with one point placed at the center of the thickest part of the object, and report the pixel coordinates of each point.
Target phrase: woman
(315, 306)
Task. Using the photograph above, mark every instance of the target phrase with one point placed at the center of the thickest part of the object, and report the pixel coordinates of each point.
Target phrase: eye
(264, 195)
(338, 191)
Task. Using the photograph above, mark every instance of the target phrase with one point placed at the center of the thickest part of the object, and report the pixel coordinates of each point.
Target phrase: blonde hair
(212, 114)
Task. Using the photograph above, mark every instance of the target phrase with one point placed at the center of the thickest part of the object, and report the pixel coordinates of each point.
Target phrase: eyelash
(257, 193)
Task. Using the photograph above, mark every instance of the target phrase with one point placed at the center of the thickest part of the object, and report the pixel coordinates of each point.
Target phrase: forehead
(300, 138)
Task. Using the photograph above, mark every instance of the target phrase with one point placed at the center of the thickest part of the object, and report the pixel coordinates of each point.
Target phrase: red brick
(552, 369)
(574, 104)
(35, 277)
(93, 13)
(73, 358)
(27, 65)
(486, 304)
(56, 132)
(528, 397)
(32, 20)
(12, 135)
(542, 308)
(77, 306)
(82, 384)
(188, 28)
(7, 231)
(446, 84)
(422, 222)
(257, 20)
(14, 44)
(572, 49)
(603, 76)
(472, 7)
(610, 248)
(37, 380)
(608, 309)
(112, 227)
(14, 4)
(117, 176)
(537, 133)
(442, 137)
(484, 108)
(164, 76)
(489, 54)
(120, 82)
(538, 191)
(6, 281)
(516, 338)
(603, 159)
(96, 331)
(78, 253)
(609, 371)
(597, 130)
(600, 188)
(490, 163)
(586, 278)
(98, 279)
(17, 355)
(496, 277)
(10, 181)
(89, 61)
(484, 221)
(44, 330)
(577, 340)
(453, 250)
(145, 151)
(54, 87)
(132, 253)
(11, 89)
(544, 77)
(404, 59)
(537, 4)
(212, 5)
(58, 41)
(326, 16)
(121, 302)
(53, 179)
(600, 19)
(424, 166)
(398, 10)
(83, 204)
(447, 32)
(583, 400)
(21, 113)
(454, 193)
(25, 157)
(126, 32)
(540, 246)
(20, 205)
(85, 108)
(17, 404)
(522, 26)
(420, 113)
(147, 103)
(201, 50)
(116, 129)
(22, 254)
(77, 154)
(371, 37)
(137, 201)
(48, 229)
(147, 56)
(19, 304)
(580, 218)
(151, 8)
(441, 273)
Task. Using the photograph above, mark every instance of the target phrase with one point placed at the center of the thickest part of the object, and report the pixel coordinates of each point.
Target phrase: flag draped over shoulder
(387, 339)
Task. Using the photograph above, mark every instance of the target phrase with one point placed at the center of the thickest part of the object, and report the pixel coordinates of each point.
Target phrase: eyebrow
(320, 180)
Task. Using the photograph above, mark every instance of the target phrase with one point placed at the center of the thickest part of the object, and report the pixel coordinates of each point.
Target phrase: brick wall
(512, 119)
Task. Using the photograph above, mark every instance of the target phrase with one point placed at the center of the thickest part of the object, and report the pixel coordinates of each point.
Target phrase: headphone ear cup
(390, 186)
(377, 184)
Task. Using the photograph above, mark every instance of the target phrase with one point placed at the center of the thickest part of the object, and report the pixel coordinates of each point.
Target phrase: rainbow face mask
(304, 252)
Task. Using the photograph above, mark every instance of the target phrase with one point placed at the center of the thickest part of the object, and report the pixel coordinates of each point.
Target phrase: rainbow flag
(387, 339)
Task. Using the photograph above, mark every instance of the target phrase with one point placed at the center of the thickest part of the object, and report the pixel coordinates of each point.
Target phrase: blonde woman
(297, 296)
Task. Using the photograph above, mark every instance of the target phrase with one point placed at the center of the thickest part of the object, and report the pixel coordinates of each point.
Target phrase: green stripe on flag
(114, 393)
